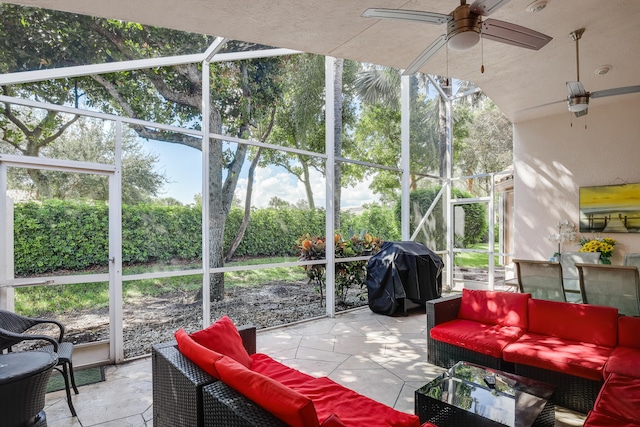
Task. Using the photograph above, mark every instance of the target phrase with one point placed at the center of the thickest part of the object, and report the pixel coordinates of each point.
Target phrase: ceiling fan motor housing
(463, 31)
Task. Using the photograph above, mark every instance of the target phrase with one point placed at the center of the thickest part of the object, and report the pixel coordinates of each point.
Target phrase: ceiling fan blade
(426, 55)
(575, 89)
(505, 32)
(487, 7)
(615, 91)
(407, 15)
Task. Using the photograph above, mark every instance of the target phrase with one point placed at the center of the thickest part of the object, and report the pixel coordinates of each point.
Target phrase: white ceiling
(516, 79)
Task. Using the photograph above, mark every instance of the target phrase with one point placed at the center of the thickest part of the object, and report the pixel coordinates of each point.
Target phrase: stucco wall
(552, 160)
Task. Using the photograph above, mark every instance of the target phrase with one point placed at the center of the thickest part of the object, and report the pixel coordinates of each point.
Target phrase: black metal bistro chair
(12, 331)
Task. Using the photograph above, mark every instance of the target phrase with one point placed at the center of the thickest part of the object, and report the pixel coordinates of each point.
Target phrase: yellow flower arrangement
(604, 245)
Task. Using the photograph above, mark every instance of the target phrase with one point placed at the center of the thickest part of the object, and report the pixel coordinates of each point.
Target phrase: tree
(378, 132)
(488, 146)
(28, 131)
(89, 141)
(240, 91)
(277, 202)
(300, 119)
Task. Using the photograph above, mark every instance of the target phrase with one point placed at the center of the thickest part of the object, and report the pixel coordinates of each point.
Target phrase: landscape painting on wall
(610, 209)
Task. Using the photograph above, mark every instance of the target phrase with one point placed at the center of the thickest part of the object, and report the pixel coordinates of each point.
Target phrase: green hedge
(64, 235)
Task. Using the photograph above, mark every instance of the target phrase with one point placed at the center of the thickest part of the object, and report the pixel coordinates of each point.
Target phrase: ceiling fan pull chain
(447, 58)
(482, 55)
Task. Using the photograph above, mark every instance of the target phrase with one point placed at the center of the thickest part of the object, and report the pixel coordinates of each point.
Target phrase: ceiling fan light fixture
(578, 103)
(536, 6)
(463, 41)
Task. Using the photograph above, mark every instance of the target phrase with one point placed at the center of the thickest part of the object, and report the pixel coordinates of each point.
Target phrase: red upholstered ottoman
(618, 403)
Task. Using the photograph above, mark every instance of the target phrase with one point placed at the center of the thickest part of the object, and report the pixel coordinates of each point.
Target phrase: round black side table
(23, 384)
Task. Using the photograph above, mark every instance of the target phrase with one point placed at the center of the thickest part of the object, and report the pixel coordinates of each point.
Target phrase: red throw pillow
(198, 354)
(223, 337)
(288, 405)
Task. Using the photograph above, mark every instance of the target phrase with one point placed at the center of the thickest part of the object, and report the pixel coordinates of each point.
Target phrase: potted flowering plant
(347, 273)
(604, 245)
(566, 233)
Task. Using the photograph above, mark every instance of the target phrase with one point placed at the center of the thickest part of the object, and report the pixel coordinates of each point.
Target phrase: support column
(330, 247)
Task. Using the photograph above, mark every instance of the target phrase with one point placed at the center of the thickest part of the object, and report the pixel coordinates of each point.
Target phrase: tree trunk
(247, 207)
(337, 129)
(442, 133)
(307, 184)
(221, 192)
(42, 184)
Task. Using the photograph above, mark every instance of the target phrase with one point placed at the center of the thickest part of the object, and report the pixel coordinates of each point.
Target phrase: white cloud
(276, 182)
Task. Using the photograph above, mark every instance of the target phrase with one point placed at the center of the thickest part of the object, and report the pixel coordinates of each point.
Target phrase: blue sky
(183, 167)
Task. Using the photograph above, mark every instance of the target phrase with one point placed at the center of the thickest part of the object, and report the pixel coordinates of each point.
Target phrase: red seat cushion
(577, 322)
(595, 419)
(479, 337)
(624, 361)
(198, 354)
(275, 370)
(495, 308)
(556, 354)
(223, 337)
(333, 421)
(620, 398)
(283, 402)
(354, 410)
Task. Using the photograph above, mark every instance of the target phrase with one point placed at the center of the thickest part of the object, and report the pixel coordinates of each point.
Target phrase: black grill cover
(403, 270)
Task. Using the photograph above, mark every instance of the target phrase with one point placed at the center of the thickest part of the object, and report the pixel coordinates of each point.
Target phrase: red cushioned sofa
(618, 404)
(571, 346)
(203, 381)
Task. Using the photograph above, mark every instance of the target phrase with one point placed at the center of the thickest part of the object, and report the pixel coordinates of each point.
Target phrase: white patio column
(405, 159)
(330, 178)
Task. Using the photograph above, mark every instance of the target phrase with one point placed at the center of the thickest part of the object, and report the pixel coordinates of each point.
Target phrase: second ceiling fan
(578, 97)
(464, 28)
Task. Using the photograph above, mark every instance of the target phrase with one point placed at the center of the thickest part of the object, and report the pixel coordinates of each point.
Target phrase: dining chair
(542, 279)
(632, 259)
(12, 331)
(570, 277)
(611, 285)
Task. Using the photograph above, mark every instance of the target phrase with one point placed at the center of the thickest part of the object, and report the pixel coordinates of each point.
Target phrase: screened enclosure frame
(211, 55)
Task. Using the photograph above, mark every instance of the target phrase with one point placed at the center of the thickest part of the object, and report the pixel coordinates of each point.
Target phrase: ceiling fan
(464, 28)
(578, 98)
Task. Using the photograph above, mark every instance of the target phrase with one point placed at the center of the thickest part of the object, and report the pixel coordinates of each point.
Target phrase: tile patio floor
(378, 356)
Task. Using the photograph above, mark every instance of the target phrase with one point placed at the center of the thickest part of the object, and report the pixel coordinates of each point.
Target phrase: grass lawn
(39, 300)
(473, 259)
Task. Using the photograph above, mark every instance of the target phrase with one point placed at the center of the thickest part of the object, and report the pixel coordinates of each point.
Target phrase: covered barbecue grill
(403, 271)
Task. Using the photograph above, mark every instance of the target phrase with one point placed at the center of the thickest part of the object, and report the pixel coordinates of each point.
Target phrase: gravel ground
(151, 320)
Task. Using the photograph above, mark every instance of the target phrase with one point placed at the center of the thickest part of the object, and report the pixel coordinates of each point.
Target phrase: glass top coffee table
(472, 395)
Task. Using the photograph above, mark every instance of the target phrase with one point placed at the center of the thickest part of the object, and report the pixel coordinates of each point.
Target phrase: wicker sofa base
(186, 396)
(571, 392)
